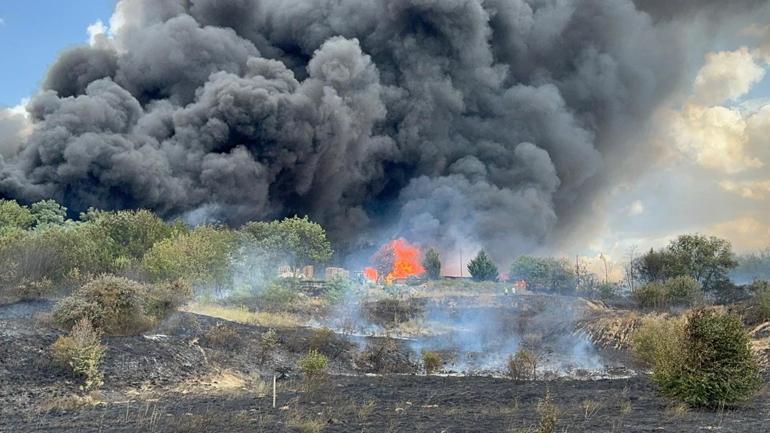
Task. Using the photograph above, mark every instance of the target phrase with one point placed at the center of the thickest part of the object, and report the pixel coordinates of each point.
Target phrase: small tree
(482, 268)
(432, 264)
(14, 216)
(296, 241)
(717, 365)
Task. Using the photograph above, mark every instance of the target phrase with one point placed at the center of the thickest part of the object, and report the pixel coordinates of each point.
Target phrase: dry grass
(244, 316)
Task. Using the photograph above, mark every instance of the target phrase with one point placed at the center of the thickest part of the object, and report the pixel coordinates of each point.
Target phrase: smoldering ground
(492, 122)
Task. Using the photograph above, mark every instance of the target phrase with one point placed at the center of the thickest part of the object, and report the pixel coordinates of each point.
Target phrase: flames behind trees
(398, 259)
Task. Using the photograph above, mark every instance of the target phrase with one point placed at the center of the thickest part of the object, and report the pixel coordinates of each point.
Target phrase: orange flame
(371, 274)
(406, 260)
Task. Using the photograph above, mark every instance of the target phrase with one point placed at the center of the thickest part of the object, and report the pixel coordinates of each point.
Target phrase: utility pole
(461, 262)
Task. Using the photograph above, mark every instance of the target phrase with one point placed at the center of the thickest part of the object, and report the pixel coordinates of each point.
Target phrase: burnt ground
(176, 380)
(403, 404)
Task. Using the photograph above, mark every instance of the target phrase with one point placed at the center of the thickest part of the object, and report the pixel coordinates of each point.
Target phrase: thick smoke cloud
(489, 122)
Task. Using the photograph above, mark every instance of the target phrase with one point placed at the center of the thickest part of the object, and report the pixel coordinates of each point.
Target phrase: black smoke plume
(482, 121)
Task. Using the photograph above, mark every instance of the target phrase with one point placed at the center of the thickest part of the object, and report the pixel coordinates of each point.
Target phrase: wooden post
(274, 389)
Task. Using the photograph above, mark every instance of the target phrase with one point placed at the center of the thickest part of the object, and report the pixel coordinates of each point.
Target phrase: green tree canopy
(432, 264)
(482, 268)
(14, 216)
(48, 212)
(544, 273)
(707, 259)
(297, 241)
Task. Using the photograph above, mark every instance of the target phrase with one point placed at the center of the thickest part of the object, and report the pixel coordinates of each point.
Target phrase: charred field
(199, 373)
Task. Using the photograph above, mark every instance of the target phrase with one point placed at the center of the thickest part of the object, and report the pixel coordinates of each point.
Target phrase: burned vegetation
(136, 324)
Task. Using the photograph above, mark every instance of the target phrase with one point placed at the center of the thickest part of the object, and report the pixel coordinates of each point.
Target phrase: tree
(48, 212)
(482, 268)
(297, 241)
(544, 273)
(133, 232)
(432, 264)
(14, 216)
(707, 259)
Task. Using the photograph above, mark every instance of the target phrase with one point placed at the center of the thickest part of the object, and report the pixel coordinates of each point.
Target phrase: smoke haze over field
(495, 122)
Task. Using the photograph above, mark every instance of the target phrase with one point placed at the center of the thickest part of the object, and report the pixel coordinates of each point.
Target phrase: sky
(33, 32)
(711, 176)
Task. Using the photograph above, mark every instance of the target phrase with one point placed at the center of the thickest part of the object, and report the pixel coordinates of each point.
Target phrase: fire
(371, 274)
(396, 260)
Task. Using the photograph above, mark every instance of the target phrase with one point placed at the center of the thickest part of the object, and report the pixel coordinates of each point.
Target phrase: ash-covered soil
(175, 379)
(354, 404)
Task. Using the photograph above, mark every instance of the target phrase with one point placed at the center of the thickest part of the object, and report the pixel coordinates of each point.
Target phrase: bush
(81, 352)
(683, 291)
(313, 365)
(547, 413)
(119, 306)
(758, 308)
(222, 336)
(658, 340)
(651, 295)
(716, 366)
(522, 365)
(279, 294)
(432, 362)
(337, 288)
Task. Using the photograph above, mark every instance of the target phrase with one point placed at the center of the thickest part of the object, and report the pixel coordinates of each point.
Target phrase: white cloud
(726, 76)
(746, 233)
(714, 137)
(750, 189)
(97, 33)
(2, 21)
(636, 208)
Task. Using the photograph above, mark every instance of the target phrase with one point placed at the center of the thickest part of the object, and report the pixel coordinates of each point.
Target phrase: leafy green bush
(651, 295)
(683, 291)
(432, 362)
(313, 365)
(715, 365)
(81, 352)
(279, 293)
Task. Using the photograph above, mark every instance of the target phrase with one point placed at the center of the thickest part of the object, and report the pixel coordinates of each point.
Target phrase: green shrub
(651, 295)
(716, 366)
(683, 291)
(313, 365)
(337, 288)
(279, 293)
(119, 306)
(658, 340)
(81, 352)
(133, 232)
(201, 258)
(758, 308)
(432, 362)
(522, 365)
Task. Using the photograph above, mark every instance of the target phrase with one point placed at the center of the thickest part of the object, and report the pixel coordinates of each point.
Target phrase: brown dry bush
(432, 362)
(222, 336)
(523, 365)
(548, 414)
